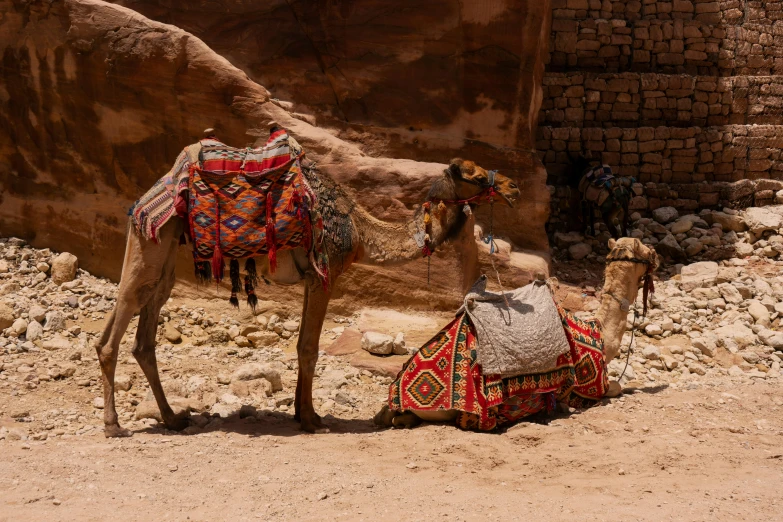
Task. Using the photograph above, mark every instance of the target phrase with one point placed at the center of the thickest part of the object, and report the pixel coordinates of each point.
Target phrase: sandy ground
(705, 449)
(712, 452)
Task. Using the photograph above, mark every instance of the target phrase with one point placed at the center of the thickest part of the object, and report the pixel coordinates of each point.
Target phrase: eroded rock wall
(97, 100)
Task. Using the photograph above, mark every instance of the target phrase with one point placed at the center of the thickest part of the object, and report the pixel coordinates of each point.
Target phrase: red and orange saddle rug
(244, 203)
(444, 375)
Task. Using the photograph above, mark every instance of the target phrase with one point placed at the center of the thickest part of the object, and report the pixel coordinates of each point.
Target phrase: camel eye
(512, 185)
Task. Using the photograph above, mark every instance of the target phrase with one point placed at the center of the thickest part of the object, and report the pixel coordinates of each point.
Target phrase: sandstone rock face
(100, 100)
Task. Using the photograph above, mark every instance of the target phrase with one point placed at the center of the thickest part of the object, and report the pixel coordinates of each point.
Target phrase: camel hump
(209, 133)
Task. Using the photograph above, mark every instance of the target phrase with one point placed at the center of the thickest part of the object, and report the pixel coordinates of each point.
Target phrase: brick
(649, 146)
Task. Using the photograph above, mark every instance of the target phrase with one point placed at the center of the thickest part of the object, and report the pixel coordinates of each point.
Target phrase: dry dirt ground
(706, 449)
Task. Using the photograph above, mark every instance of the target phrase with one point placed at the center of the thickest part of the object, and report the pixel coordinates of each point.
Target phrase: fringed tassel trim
(236, 287)
(252, 300)
(203, 272)
(218, 265)
(271, 242)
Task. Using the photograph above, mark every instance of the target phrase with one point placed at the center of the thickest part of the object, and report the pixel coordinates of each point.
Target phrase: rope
(630, 344)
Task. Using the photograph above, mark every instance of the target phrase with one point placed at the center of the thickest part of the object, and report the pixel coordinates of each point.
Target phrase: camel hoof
(406, 420)
(384, 418)
(614, 390)
(114, 431)
(314, 425)
(177, 423)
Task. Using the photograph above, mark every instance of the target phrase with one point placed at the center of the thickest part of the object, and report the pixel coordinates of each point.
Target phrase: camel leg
(107, 349)
(609, 220)
(141, 272)
(468, 254)
(144, 347)
(315, 302)
(625, 221)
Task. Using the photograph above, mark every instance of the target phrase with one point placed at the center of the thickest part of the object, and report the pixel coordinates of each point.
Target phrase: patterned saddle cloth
(250, 202)
(238, 203)
(445, 375)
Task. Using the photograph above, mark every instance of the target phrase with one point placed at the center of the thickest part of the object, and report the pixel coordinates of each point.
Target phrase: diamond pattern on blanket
(426, 388)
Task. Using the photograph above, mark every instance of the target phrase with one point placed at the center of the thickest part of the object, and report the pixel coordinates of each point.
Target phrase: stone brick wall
(636, 99)
(683, 95)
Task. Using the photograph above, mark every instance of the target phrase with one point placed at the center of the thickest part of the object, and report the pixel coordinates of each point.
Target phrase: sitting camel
(148, 274)
(629, 266)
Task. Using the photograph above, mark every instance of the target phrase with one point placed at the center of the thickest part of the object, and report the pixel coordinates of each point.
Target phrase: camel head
(642, 260)
(464, 180)
(629, 266)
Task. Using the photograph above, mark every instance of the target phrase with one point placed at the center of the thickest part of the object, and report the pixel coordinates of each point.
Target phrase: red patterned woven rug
(249, 202)
(444, 375)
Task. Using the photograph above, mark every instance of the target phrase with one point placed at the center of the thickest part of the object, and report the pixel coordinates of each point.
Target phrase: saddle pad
(518, 333)
(232, 207)
(444, 375)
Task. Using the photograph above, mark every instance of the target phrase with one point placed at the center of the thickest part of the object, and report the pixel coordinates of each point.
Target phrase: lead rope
(630, 344)
(490, 240)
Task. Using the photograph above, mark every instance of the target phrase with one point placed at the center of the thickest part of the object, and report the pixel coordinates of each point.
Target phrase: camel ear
(455, 168)
(612, 243)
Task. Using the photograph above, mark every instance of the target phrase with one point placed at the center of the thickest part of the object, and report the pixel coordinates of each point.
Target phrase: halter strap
(649, 285)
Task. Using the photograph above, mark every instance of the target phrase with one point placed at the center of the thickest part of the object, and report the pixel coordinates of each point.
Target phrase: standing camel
(614, 198)
(148, 275)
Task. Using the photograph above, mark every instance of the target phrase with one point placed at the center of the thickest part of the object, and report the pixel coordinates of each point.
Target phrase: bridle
(649, 289)
(488, 193)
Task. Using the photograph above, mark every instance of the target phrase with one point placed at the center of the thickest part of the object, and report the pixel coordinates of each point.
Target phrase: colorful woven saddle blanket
(245, 203)
(444, 375)
(168, 197)
(239, 203)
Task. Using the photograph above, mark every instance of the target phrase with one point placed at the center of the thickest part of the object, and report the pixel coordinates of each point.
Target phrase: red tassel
(271, 243)
(325, 280)
(217, 256)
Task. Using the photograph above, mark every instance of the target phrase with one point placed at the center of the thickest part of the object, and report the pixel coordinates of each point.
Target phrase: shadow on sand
(265, 424)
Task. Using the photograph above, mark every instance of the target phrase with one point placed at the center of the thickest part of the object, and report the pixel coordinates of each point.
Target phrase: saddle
(598, 183)
(243, 203)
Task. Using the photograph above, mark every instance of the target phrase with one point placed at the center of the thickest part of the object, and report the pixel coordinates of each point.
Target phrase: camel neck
(619, 284)
(386, 243)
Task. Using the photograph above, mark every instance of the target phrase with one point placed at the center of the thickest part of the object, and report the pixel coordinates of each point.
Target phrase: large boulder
(760, 219)
(738, 332)
(698, 275)
(377, 343)
(727, 221)
(7, 316)
(669, 247)
(579, 251)
(64, 268)
(253, 371)
(758, 312)
(665, 215)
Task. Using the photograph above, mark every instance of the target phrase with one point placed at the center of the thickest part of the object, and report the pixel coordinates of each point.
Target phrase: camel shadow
(265, 423)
